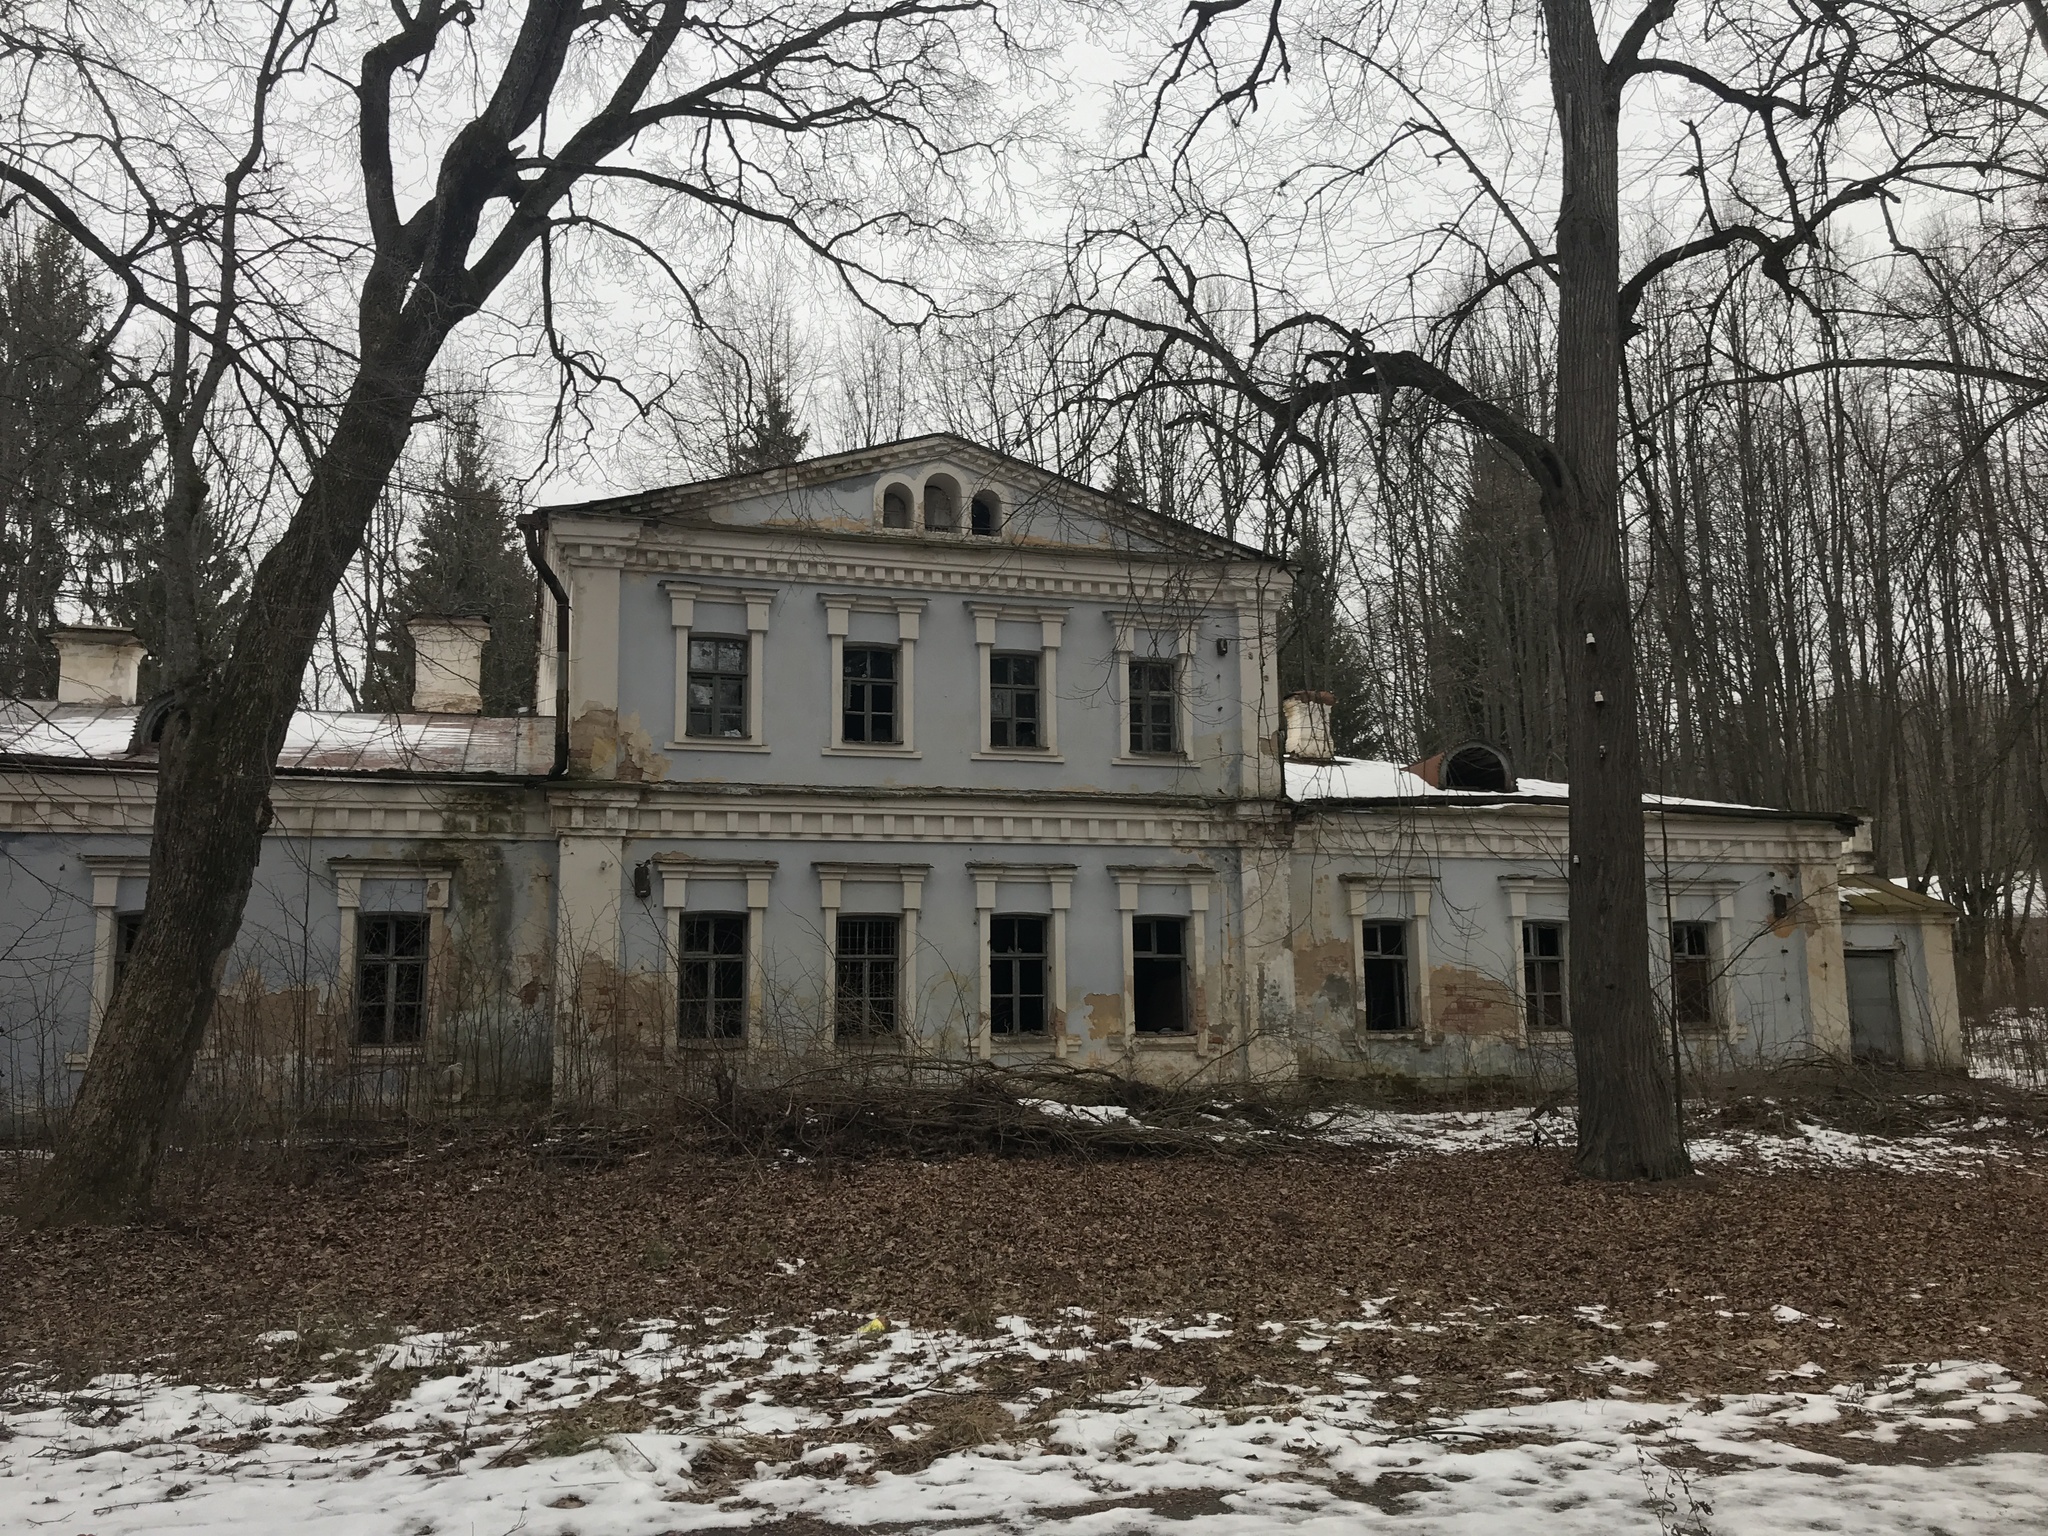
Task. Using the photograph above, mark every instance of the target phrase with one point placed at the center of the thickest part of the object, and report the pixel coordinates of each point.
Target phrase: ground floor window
(1543, 976)
(1383, 986)
(126, 926)
(1016, 975)
(391, 977)
(711, 976)
(865, 976)
(1692, 974)
(1159, 974)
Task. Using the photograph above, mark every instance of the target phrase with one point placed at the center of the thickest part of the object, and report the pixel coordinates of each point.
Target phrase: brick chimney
(95, 665)
(1307, 716)
(448, 662)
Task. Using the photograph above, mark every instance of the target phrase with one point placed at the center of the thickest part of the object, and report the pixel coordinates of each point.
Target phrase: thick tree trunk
(1628, 1125)
(217, 763)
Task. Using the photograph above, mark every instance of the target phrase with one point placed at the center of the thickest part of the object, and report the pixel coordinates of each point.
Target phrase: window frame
(1008, 693)
(1374, 957)
(1700, 985)
(1051, 623)
(1195, 880)
(1561, 962)
(908, 882)
(1393, 898)
(349, 874)
(393, 966)
(839, 610)
(677, 871)
(1016, 958)
(1133, 694)
(1145, 930)
(743, 676)
(712, 960)
(869, 963)
(868, 714)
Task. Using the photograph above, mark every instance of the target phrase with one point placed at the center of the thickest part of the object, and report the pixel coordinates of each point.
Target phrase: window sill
(846, 751)
(1411, 1036)
(1549, 1036)
(695, 1043)
(1153, 760)
(1182, 1041)
(1021, 755)
(713, 744)
(75, 1060)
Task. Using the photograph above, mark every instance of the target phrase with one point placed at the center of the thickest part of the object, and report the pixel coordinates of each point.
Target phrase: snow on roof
(1351, 778)
(317, 741)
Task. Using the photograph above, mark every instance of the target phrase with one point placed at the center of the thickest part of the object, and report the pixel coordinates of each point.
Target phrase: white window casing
(1177, 640)
(683, 598)
(909, 879)
(1195, 879)
(1051, 623)
(1404, 899)
(1058, 882)
(349, 875)
(839, 610)
(677, 871)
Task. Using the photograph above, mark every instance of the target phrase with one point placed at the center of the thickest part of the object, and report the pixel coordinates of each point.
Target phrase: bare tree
(561, 126)
(1792, 121)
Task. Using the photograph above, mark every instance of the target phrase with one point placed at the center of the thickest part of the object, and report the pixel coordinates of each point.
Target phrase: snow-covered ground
(708, 1425)
(1807, 1145)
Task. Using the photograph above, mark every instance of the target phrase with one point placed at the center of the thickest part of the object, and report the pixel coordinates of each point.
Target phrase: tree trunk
(1628, 1125)
(218, 759)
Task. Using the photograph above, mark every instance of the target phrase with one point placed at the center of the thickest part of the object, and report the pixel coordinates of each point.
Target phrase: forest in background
(1841, 576)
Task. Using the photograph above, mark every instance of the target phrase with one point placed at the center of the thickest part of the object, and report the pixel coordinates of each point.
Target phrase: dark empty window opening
(1013, 711)
(941, 508)
(126, 926)
(711, 976)
(718, 688)
(1477, 767)
(1543, 976)
(1159, 975)
(391, 977)
(1016, 975)
(1692, 974)
(868, 712)
(896, 507)
(1154, 706)
(864, 977)
(1384, 983)
(987, 515)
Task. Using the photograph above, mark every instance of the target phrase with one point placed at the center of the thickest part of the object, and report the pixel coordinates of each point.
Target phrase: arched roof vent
(1474, 766)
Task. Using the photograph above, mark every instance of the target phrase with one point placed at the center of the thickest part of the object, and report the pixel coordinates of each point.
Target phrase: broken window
(711, 976)
(1159, 975)
(1016, 975)
(1154, 707)
(1013, 700)
(986, 516)
(941, 510)
(896, 507)
(1692, 974)
(869, 682)
(1383, 988)
(391, 977)
(718, 687)
(864, 976)
(1543, 976)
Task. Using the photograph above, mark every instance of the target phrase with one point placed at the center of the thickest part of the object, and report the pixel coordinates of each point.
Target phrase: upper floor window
(896, 507)
(711, 989)
(941, 506)
(391, 977)
(718, 687)
(1692, 973)
(1384, 984)
(1154, 705)
(1543, 977)
(1013, 701)
(987, 515)
(868, 695)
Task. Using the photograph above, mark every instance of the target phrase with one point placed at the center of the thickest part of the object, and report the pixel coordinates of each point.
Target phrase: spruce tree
(466, 558)
(76, 464)
(1320, 650)
(771, 435)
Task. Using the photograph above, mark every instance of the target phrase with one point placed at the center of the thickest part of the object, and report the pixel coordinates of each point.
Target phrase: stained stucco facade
(1138, 881)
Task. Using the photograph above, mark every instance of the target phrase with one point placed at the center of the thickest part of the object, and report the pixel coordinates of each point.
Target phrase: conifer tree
(466, 559)
(771, 436)
(76, 475)
(1320, 650)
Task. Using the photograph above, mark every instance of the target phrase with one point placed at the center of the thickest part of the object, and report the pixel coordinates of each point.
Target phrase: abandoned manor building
(912, 753)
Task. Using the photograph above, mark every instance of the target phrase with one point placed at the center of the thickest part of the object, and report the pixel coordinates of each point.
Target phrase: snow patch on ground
(1807, 1147)
(810, 1422)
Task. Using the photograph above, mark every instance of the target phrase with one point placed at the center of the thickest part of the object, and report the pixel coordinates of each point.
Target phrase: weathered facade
(911, 753)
